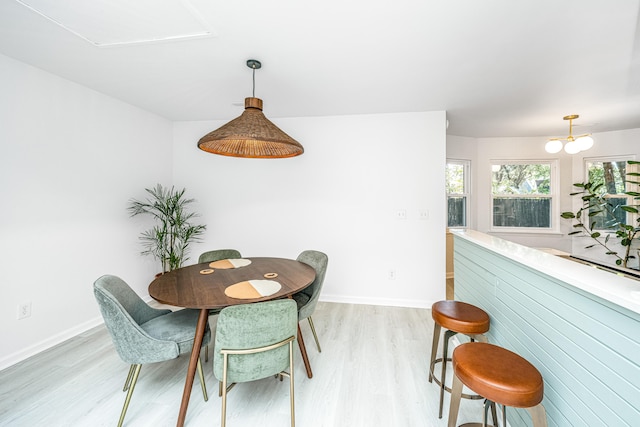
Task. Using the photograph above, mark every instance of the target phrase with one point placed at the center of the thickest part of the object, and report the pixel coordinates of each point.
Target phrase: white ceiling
(498, 67)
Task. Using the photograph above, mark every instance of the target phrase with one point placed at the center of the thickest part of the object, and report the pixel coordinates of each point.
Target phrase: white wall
(341, 197)
(70, 160)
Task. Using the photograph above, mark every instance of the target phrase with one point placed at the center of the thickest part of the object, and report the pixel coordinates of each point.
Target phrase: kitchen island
(579, 325)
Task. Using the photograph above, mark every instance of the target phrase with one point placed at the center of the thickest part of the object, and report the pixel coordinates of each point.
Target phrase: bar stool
(457, 318)
(500, 376)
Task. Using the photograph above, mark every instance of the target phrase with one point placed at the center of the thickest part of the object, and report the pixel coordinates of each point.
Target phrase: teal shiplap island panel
(578, 325)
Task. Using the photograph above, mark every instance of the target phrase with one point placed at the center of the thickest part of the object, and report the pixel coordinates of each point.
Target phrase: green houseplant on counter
(169, 239)
(608, 212)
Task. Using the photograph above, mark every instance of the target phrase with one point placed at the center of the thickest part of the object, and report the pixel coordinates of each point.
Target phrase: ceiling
(498, 67)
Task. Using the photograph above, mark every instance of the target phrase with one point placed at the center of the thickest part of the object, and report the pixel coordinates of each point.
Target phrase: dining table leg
(303, 350)
(201, 327)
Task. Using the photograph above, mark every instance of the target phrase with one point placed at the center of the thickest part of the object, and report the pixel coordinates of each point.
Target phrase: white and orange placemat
(251, 289)
(230, 263)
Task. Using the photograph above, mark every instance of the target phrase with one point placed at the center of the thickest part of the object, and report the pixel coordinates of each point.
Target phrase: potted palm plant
(169, 239)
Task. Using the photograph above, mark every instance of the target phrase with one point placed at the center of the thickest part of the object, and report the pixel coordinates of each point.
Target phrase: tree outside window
(611, 175)
(522, 194)
(457, 188)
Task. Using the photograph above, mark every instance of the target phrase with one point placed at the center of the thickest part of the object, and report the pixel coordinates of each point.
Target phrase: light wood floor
(372, 372)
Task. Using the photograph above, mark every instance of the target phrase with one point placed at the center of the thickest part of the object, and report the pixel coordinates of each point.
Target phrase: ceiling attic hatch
(108, 23)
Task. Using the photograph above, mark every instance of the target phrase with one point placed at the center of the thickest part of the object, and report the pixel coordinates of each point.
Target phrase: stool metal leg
(494, 416)
(539, 415)
(480, 338)
(443, 373)
(448, 334)
(434, 349)
(487, 404)
(454, 406)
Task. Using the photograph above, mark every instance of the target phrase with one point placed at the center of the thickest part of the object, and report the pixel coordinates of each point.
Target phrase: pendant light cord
(254, 64)
(254, 81)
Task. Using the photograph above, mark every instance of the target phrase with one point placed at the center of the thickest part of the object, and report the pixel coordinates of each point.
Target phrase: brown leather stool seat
(460, 317)
(456, 317)
(500, 376)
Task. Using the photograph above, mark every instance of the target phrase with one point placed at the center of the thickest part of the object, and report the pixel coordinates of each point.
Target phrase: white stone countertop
(617, 289)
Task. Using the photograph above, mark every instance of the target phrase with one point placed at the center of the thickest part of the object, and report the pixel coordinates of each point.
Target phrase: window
(611, 173)
(457, 182)
(523, 195)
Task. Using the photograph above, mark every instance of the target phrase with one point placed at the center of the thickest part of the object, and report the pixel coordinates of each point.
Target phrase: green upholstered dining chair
(216, 255)
(219, 254)
(307, 299)
(142, 334)
(255, 341)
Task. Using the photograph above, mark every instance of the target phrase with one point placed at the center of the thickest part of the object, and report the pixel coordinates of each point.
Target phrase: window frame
(466, 182)
(554, 196)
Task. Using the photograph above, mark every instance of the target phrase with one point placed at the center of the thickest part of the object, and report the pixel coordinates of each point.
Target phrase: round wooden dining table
(202, 287)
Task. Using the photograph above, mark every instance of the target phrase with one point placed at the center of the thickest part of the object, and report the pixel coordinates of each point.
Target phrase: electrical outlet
(392, 275)
(423, 214)
(401, 214)
(24, 310)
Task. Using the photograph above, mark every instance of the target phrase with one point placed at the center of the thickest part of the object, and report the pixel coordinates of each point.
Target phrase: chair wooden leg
(202, 383)
(313, 329)
(132, 385)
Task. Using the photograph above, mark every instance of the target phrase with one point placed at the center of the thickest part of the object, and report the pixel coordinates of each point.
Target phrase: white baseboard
(377, 301)
(43, 345)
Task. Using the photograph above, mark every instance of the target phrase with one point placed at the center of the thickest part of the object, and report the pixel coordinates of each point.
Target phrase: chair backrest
(219, 254)
(319, 261)
(123, 312)
(250, 326)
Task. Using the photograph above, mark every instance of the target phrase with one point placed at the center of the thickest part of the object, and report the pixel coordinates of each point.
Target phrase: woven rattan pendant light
(251, 134)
